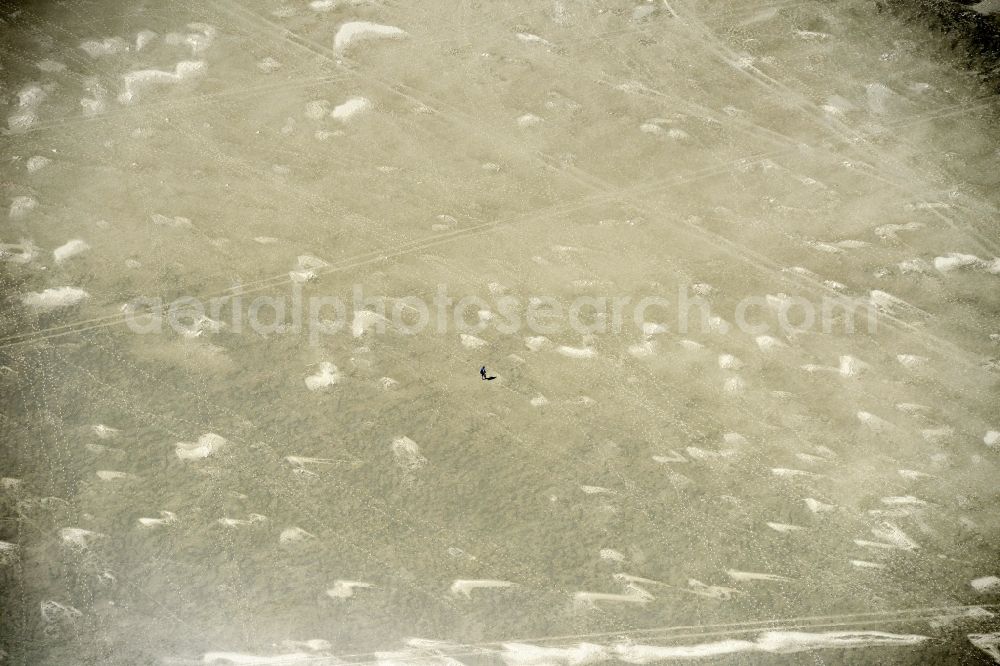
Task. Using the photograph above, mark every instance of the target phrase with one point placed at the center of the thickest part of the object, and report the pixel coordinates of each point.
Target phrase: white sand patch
(36, 163)
(365, 320)
(301, 277)
(351, 108)
(21, 206)
(317, 109)
(851, 366)
(734, 385)
(816, 506)
(22, 120)
(70, 249)
(718, 325)
(354, 32)
(53, 611)
(957, 261)
(344, 589)
(9, 553)
(166, 518)
(988, 643)
(986, 584)
(52, 299)
(464, 588)
(750, 576)
(286, 659)
(198, 41)
(529, 38)
(135, 82)
(734, 439)
(889, 303)
(387, 383)
(104, 432)
(576, 352)
(770, 642)
(528, 120)
(787, 472)
(864, 564)
(31, 96)
(767, 343)
(823, 247)
(704, 454)
(937, 435)
(784, 528)
(643, 349)
(700, 589)
(143, 38)
(912, 408)
(269, 65)
(79, 537)
(294, 535)
(912, 474)
(176, 222)
(729, 362)
(537, 342)
(634, 596)
(914, 267)
(310, 262)
(50, 66)
(109, 475)
(251, 519)
(890, 231)
(96, 48)
(649, 329)
(314, 644)
(611, 555)
(207, 445)
(471, 341)
(911, 361)
(874, 422)
(326, 375)
(407, 454)
(302, 461)
(903, 500)
(892, 538)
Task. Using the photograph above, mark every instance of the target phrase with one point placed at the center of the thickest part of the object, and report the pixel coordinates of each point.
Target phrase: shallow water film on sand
(730, 269)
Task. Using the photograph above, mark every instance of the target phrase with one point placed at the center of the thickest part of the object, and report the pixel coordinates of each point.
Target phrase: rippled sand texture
(220, 496)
